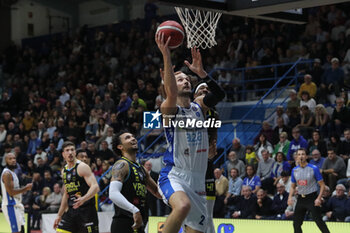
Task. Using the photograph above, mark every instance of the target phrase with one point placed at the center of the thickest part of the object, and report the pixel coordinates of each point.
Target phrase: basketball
(173, 29)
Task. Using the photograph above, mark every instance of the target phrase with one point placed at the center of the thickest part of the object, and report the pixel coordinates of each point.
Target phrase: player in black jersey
(128, 187)
(203, 89)
(77, 212)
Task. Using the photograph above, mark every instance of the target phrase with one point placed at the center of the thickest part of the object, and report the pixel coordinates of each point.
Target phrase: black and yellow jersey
(134, 190)
(76, 185)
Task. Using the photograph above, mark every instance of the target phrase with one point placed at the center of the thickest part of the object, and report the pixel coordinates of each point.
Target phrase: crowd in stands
(87, 85)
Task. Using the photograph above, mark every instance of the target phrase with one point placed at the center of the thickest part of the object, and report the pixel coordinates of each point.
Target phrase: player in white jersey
(182, 181)
(11, 205)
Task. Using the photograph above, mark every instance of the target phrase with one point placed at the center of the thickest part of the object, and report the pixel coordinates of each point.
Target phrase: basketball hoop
(200, 26)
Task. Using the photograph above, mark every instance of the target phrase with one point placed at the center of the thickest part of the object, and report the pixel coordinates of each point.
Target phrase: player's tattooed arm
(120, 170)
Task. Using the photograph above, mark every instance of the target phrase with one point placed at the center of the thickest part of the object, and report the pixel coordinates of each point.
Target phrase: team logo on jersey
(151, 120)
(69, 176)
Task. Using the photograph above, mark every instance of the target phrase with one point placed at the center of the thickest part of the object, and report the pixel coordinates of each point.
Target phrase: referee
(306, 176)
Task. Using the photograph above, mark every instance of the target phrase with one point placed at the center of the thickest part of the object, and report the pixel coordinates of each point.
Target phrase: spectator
(340, 117)
(331, 81)
(307, 122)
(333, 169)
(42, 167)
(53, 157)
(64, 97)
(108, 138)
(317, 143)
(279, 203)
(102, 128)
(97, 167)
(285, 180)
(279, 113)
(345, 145)
(54, 199)
(294, 117)
(294, 101)
(245, 204)
(234, 189)
(71, 132)
(49, 181)
(123, 106)
(233, 162)
(28, 121)
(336, 205)
(346, 181)
(250, 157)
(41, 129)
(108, 104)
(251, 179)
(3, 133)
(40, 154)
(282, 145)
(281, 164)
(335, 143)
(321, 120)
(39, 205)
(281, 127)
(238, 148)
(235, 184)
(317, 160)
(262, 145)
(105, 153)
(138, 103)
(297, 143)
(266, 131)
(263, 206)
(34, 143)
(221, 188)
(308, 101)
(308, 86)
(265, 170)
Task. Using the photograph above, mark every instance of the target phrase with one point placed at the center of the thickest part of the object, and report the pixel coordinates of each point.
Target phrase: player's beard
(186, 94)
(11, 167)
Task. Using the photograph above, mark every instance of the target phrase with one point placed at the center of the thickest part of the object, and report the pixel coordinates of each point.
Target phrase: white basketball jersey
(6, 198)
(188, 147)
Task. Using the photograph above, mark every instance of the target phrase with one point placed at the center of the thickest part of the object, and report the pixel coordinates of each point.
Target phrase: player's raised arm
(168, 107)
(216, 93)
(85, 171)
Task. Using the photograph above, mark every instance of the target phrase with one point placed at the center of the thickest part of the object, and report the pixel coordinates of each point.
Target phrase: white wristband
(115, 195)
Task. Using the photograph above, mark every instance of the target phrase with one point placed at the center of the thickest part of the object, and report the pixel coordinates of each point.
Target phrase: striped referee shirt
(306, 178)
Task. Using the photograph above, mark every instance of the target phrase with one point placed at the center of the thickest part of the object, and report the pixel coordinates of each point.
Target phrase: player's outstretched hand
(78, 202)
(163, 46)
(196, 66)
(57, 221)
(137, 221)
(290, 201)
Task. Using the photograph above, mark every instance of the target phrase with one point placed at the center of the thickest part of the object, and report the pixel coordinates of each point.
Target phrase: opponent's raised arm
(168, 107)
(197, 65)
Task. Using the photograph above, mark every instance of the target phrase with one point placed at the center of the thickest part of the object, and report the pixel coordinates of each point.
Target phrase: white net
(200, 26)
